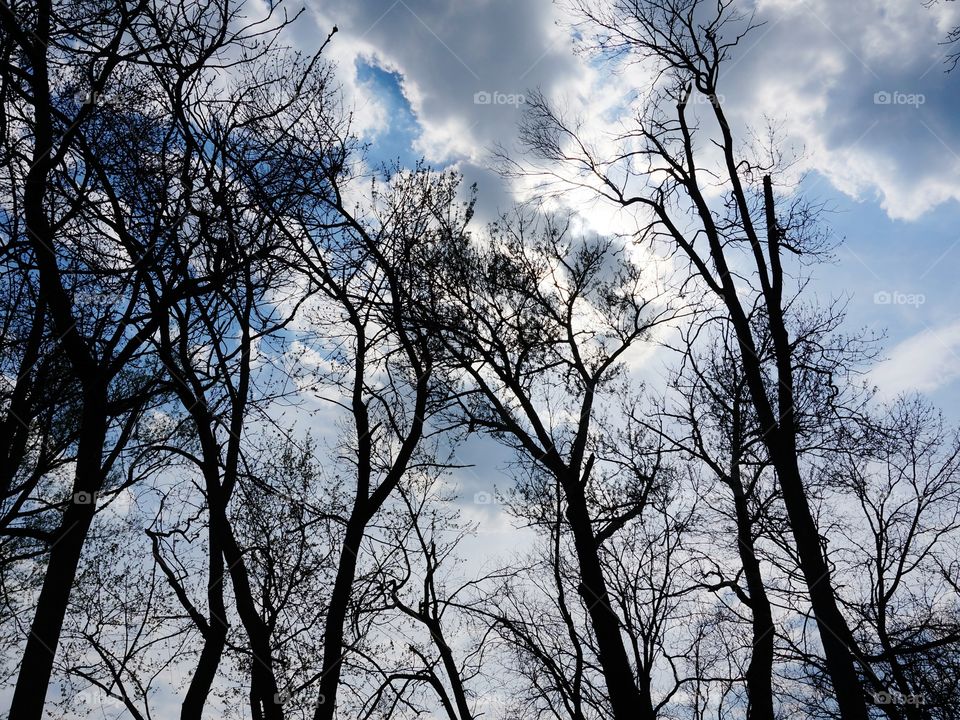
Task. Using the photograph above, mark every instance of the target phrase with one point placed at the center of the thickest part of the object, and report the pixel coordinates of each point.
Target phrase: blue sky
(901, 280)
(858, 90)
(394, 142)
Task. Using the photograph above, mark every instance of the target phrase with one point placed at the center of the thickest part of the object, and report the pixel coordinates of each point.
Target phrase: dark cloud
(855, 82)
(862, 86)
(466, 66)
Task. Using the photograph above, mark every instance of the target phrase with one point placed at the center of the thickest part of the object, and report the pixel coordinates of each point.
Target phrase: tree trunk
(214, 641)
(263, 676)
(36, 666)
(450, 667)
(838, 647)
(835, 635)
(337, 615)
(626, 702)
(780, 439)
(760, 670)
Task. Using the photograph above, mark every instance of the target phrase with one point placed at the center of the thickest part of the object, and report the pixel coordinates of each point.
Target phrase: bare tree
(192, 243)
(540, 321)
(418, 598)
(100, 347)
(712, 422)
(388, 375)
(112, 178)
(900, 472)
(660, 169)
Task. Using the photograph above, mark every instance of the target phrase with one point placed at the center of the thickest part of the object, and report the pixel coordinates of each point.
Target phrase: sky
(858, 91)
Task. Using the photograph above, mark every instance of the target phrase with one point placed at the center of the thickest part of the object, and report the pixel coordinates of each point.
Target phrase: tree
(196, 262)
(660, 169)
(388, 376)
(540, 321)
(102, 346)
(111, 187)
(900, 472)
(711, 421)
(416, 597)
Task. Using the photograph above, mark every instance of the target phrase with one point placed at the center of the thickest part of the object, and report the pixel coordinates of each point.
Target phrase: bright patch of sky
(393, 142)
(900, 278)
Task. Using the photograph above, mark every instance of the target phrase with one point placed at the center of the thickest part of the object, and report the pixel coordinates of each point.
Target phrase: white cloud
(815, 64)
(861, 87)
(924, 362)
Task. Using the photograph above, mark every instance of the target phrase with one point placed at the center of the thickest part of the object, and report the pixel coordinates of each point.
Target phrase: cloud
(449, 55)
(858, 87)
(924, 362)
(464, 71)
(855, 84)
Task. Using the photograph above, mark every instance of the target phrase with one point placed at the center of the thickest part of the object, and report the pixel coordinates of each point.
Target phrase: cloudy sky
(858, 89)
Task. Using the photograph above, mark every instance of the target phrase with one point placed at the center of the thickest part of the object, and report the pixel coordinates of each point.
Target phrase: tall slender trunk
(450, 667)
(760, 670)
(36, 665)
(908, 709)
(263, 676)
(337, 615)
(626, 700)
(366, 504)
(838, 645)
(776, 418)
(781, 444)
(214, 640)
(779, 436)
(835, 635)
(224, 547)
